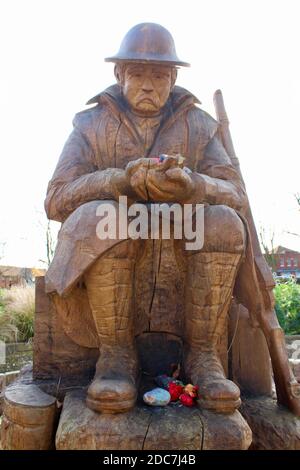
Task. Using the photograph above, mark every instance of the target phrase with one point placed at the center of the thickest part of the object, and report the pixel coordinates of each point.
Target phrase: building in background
(14, 276)
(286, 263)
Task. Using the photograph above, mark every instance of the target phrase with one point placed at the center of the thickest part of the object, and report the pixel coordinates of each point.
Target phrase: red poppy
(186, 400)
(175, 390)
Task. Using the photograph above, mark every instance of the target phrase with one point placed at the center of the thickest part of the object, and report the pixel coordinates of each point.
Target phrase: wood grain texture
(223, 432)
(55, 356)
(29, 417)
(133, 143)
(250, 367)
(273, 426)
(136, 286)
(166, 428)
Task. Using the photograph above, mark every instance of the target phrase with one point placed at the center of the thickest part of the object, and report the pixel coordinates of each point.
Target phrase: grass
(8, 330)
(17, 307)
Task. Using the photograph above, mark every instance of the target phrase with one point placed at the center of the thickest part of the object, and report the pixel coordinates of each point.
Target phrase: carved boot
(109, 284)
(209, 285)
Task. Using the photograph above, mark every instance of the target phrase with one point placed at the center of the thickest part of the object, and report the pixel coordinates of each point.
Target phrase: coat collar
(178, 97)
(180, 100)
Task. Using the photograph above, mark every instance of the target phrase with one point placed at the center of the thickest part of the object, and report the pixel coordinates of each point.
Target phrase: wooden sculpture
(113, 152)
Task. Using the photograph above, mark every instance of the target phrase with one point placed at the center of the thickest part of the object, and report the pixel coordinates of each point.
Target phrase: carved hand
(131, 181)
(136, 175)
(163, 181)
(167, 182)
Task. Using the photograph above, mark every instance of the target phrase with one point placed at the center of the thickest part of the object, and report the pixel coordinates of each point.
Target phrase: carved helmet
(148, 43)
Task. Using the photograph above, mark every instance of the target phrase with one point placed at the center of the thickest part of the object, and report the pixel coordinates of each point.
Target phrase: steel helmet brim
(148, 43)
(171, 63)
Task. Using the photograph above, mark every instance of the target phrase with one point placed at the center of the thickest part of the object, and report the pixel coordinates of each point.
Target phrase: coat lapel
(179, 102)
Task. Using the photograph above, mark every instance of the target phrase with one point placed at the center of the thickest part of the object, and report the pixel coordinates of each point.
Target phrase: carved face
(147, 87)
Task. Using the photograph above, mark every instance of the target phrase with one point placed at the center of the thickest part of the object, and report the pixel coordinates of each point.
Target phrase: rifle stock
(287, 388)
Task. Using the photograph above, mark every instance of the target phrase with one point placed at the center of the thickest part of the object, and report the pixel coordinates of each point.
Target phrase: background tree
(268, 247)
(50, 243)
(49, 233)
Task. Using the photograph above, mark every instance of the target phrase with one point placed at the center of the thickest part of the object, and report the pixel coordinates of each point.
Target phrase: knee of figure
(85, 213)
(92, 207)
(224, 230)
(127, 249)
(121, 256)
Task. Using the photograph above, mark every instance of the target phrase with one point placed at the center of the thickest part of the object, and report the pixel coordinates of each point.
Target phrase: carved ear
(174, 77)
(119, 74)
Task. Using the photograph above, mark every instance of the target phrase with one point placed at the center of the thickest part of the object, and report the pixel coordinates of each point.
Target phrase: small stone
(157, 397)
(163, 381)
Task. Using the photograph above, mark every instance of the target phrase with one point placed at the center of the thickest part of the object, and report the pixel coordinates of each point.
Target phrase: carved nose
(147, 85)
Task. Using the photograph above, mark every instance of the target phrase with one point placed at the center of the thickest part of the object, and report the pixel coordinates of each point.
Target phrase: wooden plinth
(159, 428)
(273, 427)
(29, 418)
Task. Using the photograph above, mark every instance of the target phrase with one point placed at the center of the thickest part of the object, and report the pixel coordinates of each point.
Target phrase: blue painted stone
(163, 381)
(157, 397)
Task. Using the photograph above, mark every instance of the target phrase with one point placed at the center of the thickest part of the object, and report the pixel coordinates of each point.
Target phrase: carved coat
(106, 137)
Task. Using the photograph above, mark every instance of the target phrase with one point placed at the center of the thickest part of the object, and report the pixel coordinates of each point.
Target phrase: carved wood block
(273, 427)
(159, 298)
(55, 355)
(250, 365)
(166, 428)
(59, 359)
(223, 432)
(29, 417)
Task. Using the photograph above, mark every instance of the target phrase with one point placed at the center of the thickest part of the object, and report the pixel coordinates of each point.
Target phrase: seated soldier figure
(107, 156)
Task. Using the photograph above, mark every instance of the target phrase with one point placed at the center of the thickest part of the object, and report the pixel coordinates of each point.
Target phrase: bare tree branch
(268, 251)
(292, 233)
(50, 243)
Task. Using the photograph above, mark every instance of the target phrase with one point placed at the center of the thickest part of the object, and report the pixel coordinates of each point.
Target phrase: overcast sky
(52, 62)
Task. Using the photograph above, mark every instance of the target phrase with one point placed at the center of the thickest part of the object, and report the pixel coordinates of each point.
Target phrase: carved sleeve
(223, 184)
(77, 180)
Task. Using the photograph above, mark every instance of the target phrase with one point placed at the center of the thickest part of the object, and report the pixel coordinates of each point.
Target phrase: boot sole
(219, 406)
(113, 406)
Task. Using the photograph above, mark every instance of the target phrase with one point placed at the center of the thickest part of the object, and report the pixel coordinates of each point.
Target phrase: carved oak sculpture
(108, 155)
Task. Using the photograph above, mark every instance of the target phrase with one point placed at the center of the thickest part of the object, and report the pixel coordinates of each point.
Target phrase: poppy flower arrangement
(185, 394)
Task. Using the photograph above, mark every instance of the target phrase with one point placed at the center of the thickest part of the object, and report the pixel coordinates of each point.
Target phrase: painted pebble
(157, 397)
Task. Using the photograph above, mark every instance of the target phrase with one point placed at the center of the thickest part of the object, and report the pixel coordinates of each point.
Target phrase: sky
(52, 61)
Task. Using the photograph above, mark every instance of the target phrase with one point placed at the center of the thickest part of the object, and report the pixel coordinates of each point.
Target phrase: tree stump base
(273, 427)
(29, 417)
(149, 428)
(30, 422)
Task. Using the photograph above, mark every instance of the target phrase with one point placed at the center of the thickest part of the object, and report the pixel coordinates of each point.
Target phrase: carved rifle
(255, 285)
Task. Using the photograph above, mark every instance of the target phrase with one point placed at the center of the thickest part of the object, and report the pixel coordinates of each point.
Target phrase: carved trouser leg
(109, 284)
(210, 279)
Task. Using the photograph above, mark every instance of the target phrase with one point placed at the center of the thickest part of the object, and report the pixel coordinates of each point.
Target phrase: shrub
(18, 307)
(8, 330)
(287, 296)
